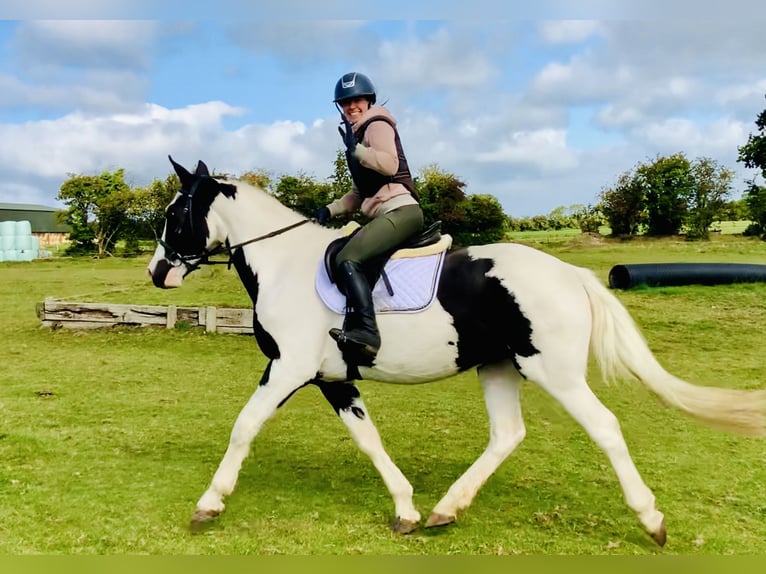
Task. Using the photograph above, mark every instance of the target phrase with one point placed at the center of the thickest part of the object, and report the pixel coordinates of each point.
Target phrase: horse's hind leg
(502, 386)
(345, 399)
(272, 391)
(573, 392)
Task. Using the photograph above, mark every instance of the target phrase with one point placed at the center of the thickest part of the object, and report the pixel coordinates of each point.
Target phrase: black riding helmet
(354, 85)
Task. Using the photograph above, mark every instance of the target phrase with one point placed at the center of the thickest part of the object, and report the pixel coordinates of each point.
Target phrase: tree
(259, 178)
(623, 205)
(97, 207)
(734, 210)
(755, 199)
(340, 180)
(305, 195)
(664, 195)
(441, 198)
(571, 217)
(485, 221)
(147, 211)
(468, 219)
(340, 183)
(711, 185)
(667, 184)
(753, 155)
(302, 193)
(588, 218)
(559, 218)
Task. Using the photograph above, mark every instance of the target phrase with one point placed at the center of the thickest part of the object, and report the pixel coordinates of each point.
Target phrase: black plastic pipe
(661, 274)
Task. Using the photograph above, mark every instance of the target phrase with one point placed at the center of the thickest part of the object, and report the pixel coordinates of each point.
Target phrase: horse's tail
(621, 352)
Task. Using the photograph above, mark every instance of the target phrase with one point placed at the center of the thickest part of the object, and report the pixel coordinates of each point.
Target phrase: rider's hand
(322, 215)
(349, 139)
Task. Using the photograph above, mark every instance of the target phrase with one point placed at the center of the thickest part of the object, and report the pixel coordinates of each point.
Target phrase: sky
(543, 109)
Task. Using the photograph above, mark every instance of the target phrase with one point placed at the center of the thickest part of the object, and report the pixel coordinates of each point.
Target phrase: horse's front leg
(345, 399)
(275, 387)
(502, 387)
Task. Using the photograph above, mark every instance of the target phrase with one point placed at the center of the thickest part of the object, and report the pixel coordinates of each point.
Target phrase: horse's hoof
(405, 526)
(201, 519)
(438, 519)
(661, 536)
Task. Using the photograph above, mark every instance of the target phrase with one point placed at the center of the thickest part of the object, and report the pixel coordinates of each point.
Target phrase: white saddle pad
(412, 279)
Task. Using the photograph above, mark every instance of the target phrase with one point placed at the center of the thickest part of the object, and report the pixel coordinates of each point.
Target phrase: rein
(195, 261)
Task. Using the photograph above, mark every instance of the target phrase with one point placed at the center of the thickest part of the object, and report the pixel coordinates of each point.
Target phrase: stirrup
(356, 348)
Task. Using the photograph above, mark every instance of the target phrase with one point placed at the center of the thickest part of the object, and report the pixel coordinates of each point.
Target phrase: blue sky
(539, 112)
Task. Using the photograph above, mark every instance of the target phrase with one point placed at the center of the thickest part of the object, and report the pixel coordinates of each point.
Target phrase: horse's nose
(160, 272)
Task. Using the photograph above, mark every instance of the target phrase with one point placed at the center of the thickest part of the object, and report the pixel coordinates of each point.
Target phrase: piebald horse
(510, 311)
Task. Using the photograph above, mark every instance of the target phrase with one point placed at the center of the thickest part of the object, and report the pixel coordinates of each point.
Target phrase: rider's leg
(382, 234)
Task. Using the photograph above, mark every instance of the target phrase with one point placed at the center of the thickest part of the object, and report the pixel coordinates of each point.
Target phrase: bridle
(196, 260)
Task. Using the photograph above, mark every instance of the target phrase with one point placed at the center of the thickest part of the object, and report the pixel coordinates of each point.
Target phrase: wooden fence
(57, 314)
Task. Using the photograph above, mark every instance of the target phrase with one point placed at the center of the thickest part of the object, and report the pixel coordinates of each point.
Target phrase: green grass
(108, 437)
(548, 237)
(558, 236)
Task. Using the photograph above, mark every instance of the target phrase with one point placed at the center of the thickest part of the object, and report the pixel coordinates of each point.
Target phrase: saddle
(424, 243)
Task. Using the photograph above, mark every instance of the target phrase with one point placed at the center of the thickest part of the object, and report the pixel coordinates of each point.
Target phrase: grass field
(562, 235)
(109, 437)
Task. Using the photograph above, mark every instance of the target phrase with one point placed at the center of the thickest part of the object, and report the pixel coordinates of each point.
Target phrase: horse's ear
(182, 173)
(201, 168)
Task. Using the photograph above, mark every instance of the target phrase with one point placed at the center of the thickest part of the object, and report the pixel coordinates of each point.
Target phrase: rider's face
(353, 108)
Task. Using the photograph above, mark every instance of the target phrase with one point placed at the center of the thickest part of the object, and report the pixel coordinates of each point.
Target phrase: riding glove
(322, 215)
(349, 139)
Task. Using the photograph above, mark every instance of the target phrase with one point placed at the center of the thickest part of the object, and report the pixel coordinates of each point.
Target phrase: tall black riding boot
(360, 335)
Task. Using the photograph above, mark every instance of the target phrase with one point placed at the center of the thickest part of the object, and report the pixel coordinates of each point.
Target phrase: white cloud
(466, 97)
(22, 9)
(60, 66)
(443, 60)
(675, 59)
(48, 44)
(582, 81)
(741, 100)
(569, 31)
(77, 143)
(545, 150)
(109, 92)
(718, 138)
(613, 116)
(698, 46)
(299, 41)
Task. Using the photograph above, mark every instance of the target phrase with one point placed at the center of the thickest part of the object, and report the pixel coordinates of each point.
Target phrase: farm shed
(42, 219)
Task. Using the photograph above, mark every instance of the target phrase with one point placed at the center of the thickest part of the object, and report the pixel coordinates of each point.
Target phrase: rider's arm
(378, 150)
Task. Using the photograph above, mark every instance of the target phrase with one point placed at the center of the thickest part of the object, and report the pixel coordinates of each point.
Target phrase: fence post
(210, 319)
(172, 317)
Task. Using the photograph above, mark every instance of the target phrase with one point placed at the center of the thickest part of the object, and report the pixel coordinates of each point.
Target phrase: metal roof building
(42, 218)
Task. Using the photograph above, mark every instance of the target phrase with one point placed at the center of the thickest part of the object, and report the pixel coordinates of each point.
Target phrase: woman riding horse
(384, 191)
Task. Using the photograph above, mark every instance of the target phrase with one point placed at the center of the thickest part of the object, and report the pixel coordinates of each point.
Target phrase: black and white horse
(511, 311)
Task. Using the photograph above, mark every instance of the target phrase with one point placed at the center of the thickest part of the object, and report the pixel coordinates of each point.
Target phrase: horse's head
(189, 235)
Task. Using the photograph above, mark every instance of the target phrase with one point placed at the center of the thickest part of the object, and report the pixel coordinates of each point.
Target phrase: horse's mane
(257, 192)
